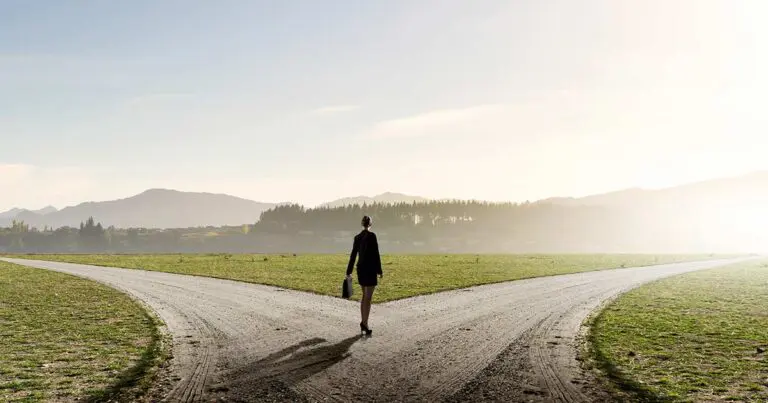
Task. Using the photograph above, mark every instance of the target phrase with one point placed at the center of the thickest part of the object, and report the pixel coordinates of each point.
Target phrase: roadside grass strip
(696, 337)
(63, 338)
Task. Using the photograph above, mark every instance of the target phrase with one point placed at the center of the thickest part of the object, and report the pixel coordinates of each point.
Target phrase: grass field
(697, 337)
(63, 338)
(404, 275)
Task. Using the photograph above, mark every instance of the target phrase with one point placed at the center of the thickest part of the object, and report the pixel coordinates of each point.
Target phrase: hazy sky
(313, 100)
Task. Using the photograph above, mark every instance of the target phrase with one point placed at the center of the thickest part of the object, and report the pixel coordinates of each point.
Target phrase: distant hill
(387, 198)
(14, 213)
(616, 198)
(10, 213)
(750, 188)
(154, 208)
(46, 210)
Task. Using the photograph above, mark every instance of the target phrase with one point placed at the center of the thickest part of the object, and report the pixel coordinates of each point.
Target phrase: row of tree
(440, 226)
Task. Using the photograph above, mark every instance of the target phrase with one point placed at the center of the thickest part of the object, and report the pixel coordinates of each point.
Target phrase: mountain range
(154, 208)
(164, 208)
(12, 213)
(751, 188)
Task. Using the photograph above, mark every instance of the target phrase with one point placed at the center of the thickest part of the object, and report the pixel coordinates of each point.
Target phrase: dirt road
(504, 342)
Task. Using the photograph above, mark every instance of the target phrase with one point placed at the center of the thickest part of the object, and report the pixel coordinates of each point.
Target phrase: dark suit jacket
(367, 246)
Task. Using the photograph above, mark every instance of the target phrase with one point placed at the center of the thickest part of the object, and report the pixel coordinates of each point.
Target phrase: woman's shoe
(364, 329)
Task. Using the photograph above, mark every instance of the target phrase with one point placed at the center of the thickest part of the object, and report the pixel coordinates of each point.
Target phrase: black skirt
(367, 278)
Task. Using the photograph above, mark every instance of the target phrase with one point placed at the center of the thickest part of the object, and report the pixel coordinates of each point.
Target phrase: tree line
(423, 227)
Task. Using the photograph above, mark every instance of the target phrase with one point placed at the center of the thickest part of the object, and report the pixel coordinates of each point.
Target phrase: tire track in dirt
(512, 341)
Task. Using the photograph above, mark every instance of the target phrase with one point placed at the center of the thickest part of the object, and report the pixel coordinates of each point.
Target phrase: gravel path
(513, 341)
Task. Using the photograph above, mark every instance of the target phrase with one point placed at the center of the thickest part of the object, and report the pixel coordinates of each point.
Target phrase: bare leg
(362, 307)
(365, 306)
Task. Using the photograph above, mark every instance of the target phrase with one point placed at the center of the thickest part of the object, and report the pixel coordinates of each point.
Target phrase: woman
(368, 266)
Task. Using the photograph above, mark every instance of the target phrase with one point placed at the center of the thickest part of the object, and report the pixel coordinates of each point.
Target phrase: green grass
(64, 338)
(404, 275)
(689, 338)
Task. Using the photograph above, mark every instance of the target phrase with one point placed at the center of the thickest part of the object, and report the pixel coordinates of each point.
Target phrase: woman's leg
(363, 318)
(365, 306)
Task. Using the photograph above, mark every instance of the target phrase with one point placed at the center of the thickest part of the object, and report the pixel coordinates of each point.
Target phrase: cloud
(334, 109)
(661, 114)
(442, 121)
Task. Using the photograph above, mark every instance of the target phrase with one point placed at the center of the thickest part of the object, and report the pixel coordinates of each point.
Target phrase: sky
(310, 101)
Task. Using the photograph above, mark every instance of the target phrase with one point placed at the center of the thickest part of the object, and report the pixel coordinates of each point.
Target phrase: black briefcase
(346, 288)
